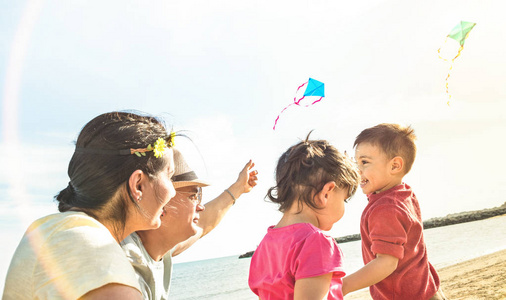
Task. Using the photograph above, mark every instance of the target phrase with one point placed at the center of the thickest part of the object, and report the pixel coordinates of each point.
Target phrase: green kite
(459, 33)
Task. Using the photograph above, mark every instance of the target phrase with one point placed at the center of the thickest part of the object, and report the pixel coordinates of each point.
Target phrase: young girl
(296, 260)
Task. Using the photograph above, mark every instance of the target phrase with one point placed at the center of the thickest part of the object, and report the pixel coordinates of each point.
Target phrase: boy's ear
(397, 165)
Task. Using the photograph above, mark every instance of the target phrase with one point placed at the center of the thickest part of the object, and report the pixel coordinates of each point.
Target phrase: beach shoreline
(451, 219)
(482, 277)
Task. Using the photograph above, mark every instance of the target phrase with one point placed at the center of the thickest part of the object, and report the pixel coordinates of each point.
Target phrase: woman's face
(158, 193)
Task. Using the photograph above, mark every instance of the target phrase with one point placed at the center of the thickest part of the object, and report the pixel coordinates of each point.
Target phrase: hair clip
(158, 148)
(172, 136)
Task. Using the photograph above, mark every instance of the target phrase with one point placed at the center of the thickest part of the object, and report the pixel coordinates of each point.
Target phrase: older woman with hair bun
(120, 180)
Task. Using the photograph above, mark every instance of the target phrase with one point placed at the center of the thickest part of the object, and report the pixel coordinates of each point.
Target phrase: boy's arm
(372, 273)
(312, 288)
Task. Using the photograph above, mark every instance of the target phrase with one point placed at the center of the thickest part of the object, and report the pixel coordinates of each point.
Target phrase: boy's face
(375, 169)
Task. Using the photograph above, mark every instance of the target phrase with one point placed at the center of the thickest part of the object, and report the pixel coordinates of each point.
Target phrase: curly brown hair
(99, 174)
(305, 168)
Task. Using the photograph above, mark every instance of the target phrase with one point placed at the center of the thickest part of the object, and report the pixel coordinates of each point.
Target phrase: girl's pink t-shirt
(294, 252)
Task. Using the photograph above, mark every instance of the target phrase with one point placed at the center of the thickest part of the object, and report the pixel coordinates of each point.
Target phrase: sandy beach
(480, 278)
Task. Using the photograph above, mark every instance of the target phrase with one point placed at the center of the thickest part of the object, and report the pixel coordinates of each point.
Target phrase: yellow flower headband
(158, 148)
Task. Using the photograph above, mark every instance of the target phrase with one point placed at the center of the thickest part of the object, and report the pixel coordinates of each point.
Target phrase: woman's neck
(114, 230)
(107, 224)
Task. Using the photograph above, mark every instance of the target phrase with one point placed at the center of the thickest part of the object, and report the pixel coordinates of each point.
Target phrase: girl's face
(159, 192)
(334, 210)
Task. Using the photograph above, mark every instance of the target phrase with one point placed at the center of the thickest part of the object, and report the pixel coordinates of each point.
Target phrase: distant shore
(450, 219)
(478, 278)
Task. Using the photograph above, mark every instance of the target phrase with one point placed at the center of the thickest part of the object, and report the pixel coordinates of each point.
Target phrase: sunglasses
(195, 197)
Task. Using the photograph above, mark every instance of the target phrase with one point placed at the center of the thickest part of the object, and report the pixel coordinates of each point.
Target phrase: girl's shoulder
(299, 228)
(297, 233)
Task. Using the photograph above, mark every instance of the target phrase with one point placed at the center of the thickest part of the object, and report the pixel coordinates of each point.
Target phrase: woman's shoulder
(78, 249)
(74, 238)
(69, 218)
(69, 227)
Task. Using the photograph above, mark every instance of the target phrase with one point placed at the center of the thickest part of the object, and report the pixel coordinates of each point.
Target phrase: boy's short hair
(393, 139)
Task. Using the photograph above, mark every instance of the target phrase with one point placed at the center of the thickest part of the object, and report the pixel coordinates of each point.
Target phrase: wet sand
(479, 278)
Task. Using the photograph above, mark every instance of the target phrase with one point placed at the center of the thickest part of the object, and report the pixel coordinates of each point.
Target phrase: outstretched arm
(217, 208)
(375, 271)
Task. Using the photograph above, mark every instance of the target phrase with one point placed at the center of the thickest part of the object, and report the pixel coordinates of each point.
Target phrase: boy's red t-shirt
(392, 224)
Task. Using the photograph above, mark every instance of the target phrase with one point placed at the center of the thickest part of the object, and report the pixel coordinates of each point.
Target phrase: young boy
(393, 249)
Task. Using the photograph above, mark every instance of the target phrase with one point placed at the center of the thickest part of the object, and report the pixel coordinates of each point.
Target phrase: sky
(222, 71)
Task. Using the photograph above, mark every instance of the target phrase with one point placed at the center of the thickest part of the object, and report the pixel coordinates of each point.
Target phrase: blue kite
(314, 88)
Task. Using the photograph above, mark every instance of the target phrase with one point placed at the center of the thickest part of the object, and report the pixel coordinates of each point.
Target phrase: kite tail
(311, 103)
(446, 85)
(276, 122)
(295, 98)
(298, 101)
(317, 100)
(439, 51)
(301, 86)
(439, 54)
(458, 53)
(448, 76)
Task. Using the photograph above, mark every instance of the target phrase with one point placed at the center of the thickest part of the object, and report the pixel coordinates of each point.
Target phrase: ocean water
(227, 277)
